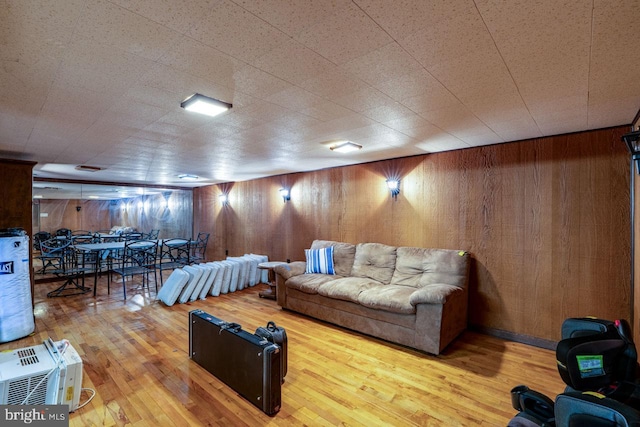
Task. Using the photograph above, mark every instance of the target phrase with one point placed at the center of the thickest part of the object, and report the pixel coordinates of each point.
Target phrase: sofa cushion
(374, 261)
(343, 255)
(319, 261)
(391, 298)
(309, 283)
(347, 289)
(418, 267)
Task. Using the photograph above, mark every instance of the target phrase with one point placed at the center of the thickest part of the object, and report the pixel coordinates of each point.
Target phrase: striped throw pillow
(319, 260)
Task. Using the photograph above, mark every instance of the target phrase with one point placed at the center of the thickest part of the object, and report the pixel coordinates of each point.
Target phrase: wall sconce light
(632, 140)
(284, 192)
(224, 199)
(393, 185)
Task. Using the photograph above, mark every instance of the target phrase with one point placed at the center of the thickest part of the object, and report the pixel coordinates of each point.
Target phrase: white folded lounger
(173, 286)
(206, 272)
(213, 272)
(194, 276)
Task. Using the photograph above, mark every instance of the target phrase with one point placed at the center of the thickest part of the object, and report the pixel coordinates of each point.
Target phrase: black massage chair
(597, 359)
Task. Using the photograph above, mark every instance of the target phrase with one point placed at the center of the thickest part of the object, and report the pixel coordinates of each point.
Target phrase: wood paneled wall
(15, 198)
(15, 194)
(547, 222)
(92, 216)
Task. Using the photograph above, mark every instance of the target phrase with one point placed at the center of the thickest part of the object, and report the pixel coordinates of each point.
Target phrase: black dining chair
(70, 270)
(40, 236)
(63, 232)
(152, 235)
(199, 248)
(138, 259)
(51, 254)
(174, 253)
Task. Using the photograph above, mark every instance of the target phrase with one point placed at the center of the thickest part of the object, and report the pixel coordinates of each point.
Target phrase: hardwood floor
(135, 357)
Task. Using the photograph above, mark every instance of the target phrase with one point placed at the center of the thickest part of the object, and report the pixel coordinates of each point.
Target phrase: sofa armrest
(283, 273)
(433, 294)
(286, 271)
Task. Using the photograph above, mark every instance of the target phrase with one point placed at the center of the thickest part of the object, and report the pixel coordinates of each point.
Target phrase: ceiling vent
(86, 168)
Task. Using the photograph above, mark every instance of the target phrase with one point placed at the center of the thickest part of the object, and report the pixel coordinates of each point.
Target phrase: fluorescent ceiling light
(94, 197)
(188, 177)
(37, 196)
(345, 147)
(87, 168)
(205, 105)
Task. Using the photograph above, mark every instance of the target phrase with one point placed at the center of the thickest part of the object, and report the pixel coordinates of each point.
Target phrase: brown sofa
(416, 297)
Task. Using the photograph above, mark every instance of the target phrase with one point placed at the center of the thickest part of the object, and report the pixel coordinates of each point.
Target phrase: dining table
(102, 251)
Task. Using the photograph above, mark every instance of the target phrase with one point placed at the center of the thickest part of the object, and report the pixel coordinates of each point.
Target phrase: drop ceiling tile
(60, 125)
(27, 24)
(179, 15)
(191, 56)
(364, 99)
(333, 84)
(431, 98)
(294, 121)
(383, 64)
(15, 127)
(107, 23)
(456, 36)
(77, 102)
(562, 125)
(387, 112)
(620, 111)
(326, 111)
(257, 83)
(345, 36)
(236, 32)
(402, 18)
(295, 98)
(442, 142)
(475, 76)
(293, 16)
(100, 68)
(342, 127)
(263, 111)
(459, 122)
(406, 123)
(182, 84)
(293, 62)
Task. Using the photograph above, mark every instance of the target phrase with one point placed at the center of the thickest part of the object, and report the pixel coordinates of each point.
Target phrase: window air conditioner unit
(46, 374)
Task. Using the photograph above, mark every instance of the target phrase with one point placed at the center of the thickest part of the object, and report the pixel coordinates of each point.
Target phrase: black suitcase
(276, 335)
(245, 362)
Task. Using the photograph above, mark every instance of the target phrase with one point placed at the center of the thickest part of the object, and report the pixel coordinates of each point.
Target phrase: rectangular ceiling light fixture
(205, 105)
(87, 168)
(345, 147)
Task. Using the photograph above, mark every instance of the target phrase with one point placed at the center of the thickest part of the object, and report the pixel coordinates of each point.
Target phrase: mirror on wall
(97, 207)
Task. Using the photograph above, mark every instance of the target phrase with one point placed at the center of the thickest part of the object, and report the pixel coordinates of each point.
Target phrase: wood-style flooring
(135, 356)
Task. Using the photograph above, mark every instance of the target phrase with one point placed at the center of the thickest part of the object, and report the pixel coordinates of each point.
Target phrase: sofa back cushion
(375, 261)
(418, 267)
(343, 255)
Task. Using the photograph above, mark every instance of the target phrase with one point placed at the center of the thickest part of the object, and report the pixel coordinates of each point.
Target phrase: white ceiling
(99, 83)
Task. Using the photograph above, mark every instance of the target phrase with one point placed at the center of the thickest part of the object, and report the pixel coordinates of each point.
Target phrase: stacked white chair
(192, 282)
(173, 286)
(206, 272)
(213, 272)
(226, 280)
(235, 275)
(261, 275)
(244, 272)
(194, 276)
